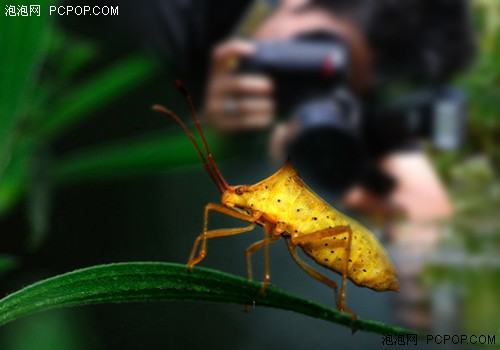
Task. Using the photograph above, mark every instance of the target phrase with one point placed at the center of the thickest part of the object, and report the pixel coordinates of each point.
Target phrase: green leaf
(133, 156)
(13, 185)
(14, 178)
(148, 281)
(95, 92)
(76, 55)
(39, 197)
(22, 45)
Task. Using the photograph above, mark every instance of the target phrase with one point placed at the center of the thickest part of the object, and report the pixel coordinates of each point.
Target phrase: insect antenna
(187, 97)
(220, 185)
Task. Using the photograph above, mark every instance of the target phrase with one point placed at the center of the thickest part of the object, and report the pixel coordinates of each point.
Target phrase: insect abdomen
(368, 263)
(284, 197)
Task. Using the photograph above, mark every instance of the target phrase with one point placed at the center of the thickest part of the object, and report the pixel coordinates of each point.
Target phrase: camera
(340, 135)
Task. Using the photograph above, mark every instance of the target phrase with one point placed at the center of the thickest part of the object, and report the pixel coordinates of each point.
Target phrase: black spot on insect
(251, 205)
(369, 252)
(327, 217)
(296, 231)
(326, 259)
(350, 260)
(334, 237)
(326, 244)
(364, 270)
(344, 238)
(329, 227)
(354, 269)
(298, 210)
(267, 187)
(315, 218)
(332, 251)
(339, 259)
(279, 200)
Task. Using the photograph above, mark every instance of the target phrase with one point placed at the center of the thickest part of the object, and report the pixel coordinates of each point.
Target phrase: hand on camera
(236, 101)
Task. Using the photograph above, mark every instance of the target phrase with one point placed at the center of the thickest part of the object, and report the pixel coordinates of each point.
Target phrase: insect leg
(217, 233)
(268, 238)
(292, 247)
(330, 232)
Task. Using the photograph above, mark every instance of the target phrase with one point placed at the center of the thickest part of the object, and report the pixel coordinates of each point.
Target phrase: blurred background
(400, 127)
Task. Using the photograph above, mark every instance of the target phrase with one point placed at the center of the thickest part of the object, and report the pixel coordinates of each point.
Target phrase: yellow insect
(287, 208)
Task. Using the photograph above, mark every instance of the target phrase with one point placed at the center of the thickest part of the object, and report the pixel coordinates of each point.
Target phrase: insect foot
(353, 317)
(265, 283)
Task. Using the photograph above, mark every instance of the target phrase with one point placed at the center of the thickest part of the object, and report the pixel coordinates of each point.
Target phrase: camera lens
(328, 149)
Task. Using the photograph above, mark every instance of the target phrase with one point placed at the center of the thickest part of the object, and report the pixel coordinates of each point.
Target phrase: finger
(242, 122)
(237, 114)
(242, 85)
(234, 108)
(256, 121)
(225, 55)
(282, 135)
(256, 106)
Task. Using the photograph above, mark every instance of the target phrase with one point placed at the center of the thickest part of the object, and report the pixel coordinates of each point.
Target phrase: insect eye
(239, 190)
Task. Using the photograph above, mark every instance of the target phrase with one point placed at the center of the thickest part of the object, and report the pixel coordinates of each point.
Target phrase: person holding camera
(237, 101)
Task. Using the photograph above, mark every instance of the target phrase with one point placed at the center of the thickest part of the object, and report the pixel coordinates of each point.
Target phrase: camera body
(341, 135)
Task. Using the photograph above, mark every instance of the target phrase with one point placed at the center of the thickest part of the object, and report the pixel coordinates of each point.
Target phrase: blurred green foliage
(7, 262)
(45, 90)
(39, 100)
(482, 82)
(43, 95)
(48, 104)
(130, 156)
(467, 256)
(44, 332)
